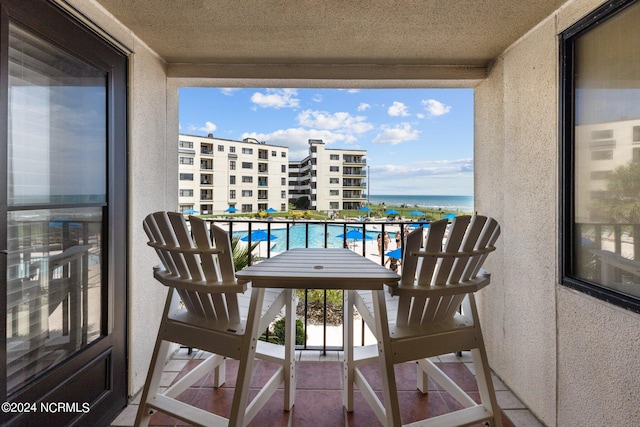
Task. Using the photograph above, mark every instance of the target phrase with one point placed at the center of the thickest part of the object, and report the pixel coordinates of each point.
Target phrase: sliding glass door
(63, 198)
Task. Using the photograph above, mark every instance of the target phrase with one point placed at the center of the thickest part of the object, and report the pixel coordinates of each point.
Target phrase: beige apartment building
(603, 148)
(332, 179)
(218, 175)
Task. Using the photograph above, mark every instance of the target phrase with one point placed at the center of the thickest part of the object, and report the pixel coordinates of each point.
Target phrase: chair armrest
(180, 249)
(202, 286)
(467, 287)
(421, 253)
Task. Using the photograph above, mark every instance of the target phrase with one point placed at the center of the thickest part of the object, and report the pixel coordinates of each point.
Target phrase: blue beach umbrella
(396, 253)
(271, 210)
(354, 234)
(449, 216)
(391, 212)
(365, 208)
(231, 209)
(259, 236)
(416, 212)
(190, 211)
(58, 222)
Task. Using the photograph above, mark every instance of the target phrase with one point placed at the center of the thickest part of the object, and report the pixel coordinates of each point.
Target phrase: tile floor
(319, 394)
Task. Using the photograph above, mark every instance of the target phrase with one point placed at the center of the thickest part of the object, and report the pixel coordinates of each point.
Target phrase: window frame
(567, 233)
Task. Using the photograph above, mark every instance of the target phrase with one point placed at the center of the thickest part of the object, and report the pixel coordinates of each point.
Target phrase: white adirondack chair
(424, 319)
(207, 309)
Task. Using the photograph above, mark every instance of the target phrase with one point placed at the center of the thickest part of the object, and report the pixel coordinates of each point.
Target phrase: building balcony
(318, 373)
(354, 162)
(319, 358)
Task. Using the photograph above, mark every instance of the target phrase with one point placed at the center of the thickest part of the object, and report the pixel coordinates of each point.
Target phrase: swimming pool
(316, 236)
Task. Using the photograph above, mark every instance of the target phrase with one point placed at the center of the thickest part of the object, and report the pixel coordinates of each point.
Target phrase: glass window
(601, 118)
(56, 194)
(186, 177)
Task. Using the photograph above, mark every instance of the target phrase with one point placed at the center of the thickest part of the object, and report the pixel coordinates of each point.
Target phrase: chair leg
(485, 383)
(385, 360)
(483, 372)
(245, 367)
(220, 374)
(348, 372)
(152, 383)
(290, 349)
(422, 380)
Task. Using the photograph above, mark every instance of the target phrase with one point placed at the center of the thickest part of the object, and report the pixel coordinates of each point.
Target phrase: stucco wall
(152, 183)
(568, 357)
(520, 155)
(598, 375)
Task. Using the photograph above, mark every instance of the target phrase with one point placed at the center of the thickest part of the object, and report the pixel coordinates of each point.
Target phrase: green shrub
(277, 332)
(334, 296)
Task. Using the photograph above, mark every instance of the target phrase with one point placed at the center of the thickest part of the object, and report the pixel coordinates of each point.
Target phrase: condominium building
(332, 179)
(218, 175)
(602, 148)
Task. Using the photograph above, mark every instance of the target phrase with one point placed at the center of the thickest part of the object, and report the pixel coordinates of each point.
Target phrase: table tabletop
(319, 268)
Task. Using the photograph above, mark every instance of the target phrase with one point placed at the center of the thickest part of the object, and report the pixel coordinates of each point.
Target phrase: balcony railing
(317, 309)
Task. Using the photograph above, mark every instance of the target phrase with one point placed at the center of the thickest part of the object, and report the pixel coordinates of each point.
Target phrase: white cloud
(297, 139)
(435, 108)
(363, 106)
(429, 177)
(208, 127)
(276, 98)
(353, 90)
(427, 169)
(317, 98)
(228, 91)
(340, 121)
(398, 109)
(396, 134)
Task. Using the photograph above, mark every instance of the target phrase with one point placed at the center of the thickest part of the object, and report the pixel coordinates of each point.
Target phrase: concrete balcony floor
(318, 400)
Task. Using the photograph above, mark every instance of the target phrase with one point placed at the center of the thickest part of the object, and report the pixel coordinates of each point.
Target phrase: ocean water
(451, 203)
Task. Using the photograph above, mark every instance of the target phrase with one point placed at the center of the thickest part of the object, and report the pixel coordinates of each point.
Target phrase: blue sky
(418, 141)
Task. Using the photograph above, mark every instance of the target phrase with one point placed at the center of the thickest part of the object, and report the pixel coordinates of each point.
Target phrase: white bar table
(328, 268)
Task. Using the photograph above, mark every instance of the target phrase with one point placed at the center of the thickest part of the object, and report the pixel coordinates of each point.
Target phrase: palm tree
(241, 253)
(622, 206)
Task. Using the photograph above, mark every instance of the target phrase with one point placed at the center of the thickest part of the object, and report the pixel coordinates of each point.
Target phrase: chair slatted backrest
(194, 266)
(452, 255)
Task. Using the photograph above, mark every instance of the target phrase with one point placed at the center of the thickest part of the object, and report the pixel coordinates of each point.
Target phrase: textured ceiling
(384, 32)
